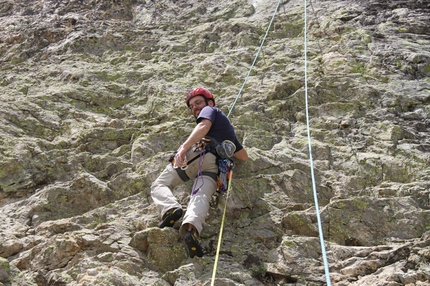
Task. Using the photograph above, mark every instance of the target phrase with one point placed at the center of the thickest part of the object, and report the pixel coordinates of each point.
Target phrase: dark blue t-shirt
(221, 128)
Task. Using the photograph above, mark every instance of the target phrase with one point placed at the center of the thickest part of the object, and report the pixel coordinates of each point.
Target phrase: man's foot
(170, 217)
(193, 245)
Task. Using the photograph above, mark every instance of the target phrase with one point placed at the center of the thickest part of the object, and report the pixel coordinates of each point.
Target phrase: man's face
(196, 105)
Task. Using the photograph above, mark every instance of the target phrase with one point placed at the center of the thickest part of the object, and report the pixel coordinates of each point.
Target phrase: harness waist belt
(184, 177)
(210, 174)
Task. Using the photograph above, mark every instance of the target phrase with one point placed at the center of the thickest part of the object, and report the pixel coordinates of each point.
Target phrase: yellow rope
(221, 230)
(231, 171)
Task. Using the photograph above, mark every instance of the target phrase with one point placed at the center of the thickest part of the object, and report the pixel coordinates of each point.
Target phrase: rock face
(92, 106)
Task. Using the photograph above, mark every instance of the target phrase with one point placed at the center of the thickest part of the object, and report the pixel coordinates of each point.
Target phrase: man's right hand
(180, 158)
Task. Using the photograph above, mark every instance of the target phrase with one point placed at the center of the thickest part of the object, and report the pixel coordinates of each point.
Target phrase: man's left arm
(241, 155)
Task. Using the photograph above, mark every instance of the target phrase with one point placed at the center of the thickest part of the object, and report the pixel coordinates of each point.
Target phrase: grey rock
(93, 105)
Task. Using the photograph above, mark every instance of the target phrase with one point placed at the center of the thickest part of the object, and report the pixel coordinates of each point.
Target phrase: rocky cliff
(93, 104)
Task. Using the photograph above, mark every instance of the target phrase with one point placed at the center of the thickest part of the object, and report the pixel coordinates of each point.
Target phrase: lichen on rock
(93, 106)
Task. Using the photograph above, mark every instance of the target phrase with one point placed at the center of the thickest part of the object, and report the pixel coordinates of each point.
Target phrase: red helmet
(199, 91)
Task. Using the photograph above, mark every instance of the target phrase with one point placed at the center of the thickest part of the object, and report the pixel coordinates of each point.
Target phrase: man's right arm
(198, 133)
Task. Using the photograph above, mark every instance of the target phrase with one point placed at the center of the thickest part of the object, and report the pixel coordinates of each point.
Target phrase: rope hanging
(221, 230)
(255, 59)
(327, 273)
(326, 269)
(228, 115)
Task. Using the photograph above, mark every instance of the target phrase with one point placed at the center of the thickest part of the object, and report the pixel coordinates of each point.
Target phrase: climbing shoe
(193, 245)
(170, 217)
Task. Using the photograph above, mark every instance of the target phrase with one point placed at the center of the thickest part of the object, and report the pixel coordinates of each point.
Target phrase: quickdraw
(201, 145)
(225, 167)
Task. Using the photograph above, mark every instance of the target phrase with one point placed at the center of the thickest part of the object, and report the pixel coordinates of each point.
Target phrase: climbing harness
(222, 151)
(197, 147)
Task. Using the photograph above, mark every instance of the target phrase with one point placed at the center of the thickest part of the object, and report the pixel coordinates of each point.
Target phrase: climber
(202, 167)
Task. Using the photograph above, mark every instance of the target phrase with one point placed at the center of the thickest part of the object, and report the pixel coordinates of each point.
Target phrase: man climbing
(196, 159)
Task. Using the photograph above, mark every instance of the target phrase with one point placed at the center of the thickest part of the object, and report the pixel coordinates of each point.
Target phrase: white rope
(327, 273)
(324, 255)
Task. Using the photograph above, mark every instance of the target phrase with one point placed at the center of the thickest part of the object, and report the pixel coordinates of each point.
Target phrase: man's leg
(161, 193)
(198, 205)
(194, 218)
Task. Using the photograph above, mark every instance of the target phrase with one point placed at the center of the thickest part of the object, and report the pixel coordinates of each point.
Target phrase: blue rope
(255, 59)
(327, 273)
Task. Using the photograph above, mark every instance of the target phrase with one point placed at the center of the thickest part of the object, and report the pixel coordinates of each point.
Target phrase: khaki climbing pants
(198, 206)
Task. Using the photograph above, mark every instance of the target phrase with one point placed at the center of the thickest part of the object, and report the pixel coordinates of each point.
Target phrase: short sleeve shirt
(221, 128)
